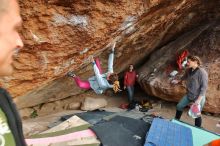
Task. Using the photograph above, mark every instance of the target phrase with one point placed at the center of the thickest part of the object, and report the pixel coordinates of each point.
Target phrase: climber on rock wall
(101, 81)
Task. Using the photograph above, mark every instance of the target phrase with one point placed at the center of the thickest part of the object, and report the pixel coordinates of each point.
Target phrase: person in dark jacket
(11, 133)
(196, 85)
(129, 82)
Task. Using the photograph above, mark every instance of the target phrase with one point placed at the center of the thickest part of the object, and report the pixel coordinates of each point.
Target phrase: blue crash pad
(166, 133)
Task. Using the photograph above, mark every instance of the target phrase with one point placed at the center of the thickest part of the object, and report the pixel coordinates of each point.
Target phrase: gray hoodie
(196, 83)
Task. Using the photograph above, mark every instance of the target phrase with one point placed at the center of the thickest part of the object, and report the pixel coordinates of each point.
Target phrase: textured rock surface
(204, 42)
(90, 104)
(59, 35)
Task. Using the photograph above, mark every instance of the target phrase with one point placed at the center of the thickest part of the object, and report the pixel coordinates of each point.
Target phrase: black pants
(198, 121)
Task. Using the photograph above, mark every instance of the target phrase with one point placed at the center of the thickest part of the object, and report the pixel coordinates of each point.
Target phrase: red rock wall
(59, 35)
(203, 42)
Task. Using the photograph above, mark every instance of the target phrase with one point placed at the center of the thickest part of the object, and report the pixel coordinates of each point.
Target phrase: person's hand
(124, 87)
(91, 59)
(198, 101)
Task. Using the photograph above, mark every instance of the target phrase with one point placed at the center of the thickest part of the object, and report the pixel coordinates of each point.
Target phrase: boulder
(204, 41)
(90, 104)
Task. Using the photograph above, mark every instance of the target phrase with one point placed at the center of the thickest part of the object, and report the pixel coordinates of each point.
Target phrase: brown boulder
(203, 42)
(90, 104)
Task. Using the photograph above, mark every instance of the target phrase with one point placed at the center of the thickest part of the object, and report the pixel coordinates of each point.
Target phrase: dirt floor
(160, 108)
(168, 109)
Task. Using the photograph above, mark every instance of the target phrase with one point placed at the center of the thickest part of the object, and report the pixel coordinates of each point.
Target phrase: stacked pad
(92, 117)
(73, 131)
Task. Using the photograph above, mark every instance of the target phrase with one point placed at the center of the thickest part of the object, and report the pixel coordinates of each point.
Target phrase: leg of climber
(98, 75)
(80, 83)
(111, 59)
(97, 62)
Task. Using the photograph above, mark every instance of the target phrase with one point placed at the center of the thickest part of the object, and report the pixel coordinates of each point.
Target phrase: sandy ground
(161, 108)
(167, 110)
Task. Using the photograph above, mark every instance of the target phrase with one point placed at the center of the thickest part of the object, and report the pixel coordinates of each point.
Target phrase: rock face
(91, 104)
(59, 35)
(202, 41)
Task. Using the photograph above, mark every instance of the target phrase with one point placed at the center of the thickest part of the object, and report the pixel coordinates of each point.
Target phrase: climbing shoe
(70, 74)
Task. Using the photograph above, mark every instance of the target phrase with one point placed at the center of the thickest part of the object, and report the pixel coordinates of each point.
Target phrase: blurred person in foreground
(11, 133)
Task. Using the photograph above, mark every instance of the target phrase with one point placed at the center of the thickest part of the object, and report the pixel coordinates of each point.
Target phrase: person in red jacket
(129, 81)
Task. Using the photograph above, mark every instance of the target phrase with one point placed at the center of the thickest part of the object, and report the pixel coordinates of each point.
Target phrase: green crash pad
(200, 136)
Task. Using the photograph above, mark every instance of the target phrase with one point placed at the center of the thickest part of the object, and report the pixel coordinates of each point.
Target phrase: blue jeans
(185, 101)
(130, 90)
